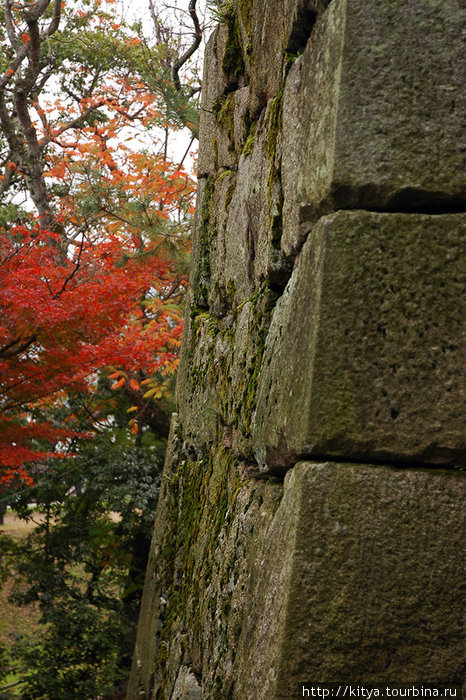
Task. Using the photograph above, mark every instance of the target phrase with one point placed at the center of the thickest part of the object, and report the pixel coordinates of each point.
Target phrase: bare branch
(74, 123)
(54, 24)
(16, 346)
(73, 271)
(10, 28)
(186, 153)
(5, 182)
(191, 50)
(83, 228)
(10, 72)
(37, 10)
(156, 21)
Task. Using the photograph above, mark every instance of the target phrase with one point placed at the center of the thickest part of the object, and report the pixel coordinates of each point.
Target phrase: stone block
(153, 604)
(200, 271)
(247, 246)
(252, 235)
(214, 86)
(374, 121)
(221, 270)
(366, 354)
(241, 117)
(269, 31)
(358, 580)
(238, 221)
(196, 396)
(218, 374)
(186, 686)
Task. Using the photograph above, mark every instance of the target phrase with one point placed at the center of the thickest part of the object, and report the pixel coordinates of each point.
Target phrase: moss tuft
(245, 8)
(233, 61)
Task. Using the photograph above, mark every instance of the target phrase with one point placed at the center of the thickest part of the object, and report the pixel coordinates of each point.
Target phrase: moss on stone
(229, 194)
(249, 143)
(226, 119)
(202, 494)
(245, 8)
(206, 234)
(224, 175)
(263, 304)
(233, 61)
(274, 122)
(249, 130)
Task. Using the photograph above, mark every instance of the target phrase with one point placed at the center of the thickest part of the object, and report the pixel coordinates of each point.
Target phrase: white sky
(175, 12)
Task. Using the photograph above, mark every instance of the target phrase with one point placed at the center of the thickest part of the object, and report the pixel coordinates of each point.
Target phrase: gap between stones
(391, 464)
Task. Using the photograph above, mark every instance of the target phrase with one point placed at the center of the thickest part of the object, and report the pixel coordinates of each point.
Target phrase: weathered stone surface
(214, 86)
(374, 121)
(186, 686)
(271, 30)
(359, 579)
(365, 357)
(238, 227)
(241, 117)
(207, 543)
(153, 605)
(216, 386)
(252, 254)
(200, 271)
(354, 576)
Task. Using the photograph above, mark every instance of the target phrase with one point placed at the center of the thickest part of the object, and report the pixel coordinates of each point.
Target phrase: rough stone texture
(210, 521)
(271, 32)
(217, 380)
(315, 331)
(241, 117)
(234, 252)
(186, 686)
(153, 604)
(373, 120)
(366, 354)
(252, 254)
(359, 580)
(214, 87)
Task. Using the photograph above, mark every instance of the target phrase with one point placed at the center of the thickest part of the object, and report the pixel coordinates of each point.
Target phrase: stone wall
(310, 522)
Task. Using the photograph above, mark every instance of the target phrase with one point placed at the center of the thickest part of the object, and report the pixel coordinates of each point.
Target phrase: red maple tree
(90, 276)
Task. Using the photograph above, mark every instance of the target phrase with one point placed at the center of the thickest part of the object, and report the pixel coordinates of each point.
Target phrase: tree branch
(10, 350)
(10, 28)
(54, 24)
(189, 52)
(5, 182)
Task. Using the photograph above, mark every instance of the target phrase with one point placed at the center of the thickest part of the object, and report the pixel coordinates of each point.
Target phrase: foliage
(84, 567)
(221, 10)
(94, 223)
(72, 319)
(94, 277)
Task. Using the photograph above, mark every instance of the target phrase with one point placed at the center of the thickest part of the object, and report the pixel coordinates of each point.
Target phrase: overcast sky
(174, 12)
